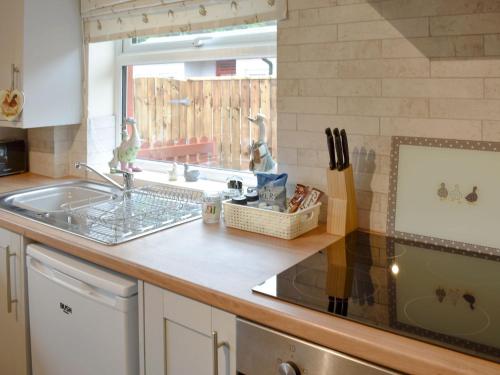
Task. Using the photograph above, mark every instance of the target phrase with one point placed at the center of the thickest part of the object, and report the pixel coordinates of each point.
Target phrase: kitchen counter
(219, 266)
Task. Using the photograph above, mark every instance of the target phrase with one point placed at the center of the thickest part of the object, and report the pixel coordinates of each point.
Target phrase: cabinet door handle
(215, 351)
(10, 301)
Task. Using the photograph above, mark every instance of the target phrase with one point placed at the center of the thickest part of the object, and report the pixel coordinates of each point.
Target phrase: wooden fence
(173, 112)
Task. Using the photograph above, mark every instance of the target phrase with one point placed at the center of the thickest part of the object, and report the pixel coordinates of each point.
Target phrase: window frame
(126, 56)
(239, 37)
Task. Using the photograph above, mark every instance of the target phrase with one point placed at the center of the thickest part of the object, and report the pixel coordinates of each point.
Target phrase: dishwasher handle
(73, 284)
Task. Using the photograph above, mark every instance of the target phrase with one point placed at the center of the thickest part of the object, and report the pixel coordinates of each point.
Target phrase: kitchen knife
(338, 149)
(331, 148)
(345, 148)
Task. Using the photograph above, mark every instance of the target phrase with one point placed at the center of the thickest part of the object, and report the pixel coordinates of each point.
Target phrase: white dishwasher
(83, 318)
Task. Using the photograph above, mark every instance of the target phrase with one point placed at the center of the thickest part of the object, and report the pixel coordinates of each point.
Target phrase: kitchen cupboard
(14, 357)
(182, 336)
(42, 40)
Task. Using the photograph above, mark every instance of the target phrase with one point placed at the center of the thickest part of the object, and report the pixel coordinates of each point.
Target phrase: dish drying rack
(135, 213)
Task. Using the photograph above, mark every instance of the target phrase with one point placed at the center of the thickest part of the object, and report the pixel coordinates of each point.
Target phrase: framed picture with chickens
(445, 192)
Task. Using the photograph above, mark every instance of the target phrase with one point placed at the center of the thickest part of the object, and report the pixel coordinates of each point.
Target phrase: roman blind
(119, 19)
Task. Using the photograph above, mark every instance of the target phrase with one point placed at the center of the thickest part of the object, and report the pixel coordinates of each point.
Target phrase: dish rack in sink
(136, 213)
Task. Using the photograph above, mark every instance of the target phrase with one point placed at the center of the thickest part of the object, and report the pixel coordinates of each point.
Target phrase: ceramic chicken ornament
(12, 100)
(11, 104)
(260, 157)
(126, 153)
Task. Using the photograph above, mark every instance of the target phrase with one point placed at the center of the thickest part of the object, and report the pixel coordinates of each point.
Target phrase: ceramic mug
(211, 207)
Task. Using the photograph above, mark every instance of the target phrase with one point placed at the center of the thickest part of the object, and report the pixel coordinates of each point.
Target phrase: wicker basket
(271, 223)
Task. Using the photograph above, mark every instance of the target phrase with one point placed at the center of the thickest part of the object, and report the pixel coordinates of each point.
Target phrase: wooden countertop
(219, 266)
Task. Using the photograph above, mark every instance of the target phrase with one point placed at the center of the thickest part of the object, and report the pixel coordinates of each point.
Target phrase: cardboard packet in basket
(272, 189)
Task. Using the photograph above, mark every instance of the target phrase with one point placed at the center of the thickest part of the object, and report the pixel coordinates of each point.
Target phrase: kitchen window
(192, 93)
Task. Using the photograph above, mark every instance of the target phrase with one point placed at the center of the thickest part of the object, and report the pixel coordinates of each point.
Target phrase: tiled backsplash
(49, 150)
(12, 133)
(379, 68)
(54, 150)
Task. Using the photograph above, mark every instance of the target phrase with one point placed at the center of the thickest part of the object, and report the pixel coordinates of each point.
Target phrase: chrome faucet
(128, 177)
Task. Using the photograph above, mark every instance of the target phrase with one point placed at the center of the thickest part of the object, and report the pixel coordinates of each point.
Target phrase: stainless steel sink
(102, 212)
(60, 198)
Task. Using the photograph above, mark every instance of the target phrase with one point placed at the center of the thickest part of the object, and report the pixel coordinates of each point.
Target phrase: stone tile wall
(50, 149)
(379, 68)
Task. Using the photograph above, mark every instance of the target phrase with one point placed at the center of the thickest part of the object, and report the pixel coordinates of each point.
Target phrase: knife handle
(338, 149)
(331, 148)
(345, 148)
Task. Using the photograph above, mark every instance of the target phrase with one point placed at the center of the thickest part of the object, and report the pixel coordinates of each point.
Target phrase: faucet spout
(128, 178)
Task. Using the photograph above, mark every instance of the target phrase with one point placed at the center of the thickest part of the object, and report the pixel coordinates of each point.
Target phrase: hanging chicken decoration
(126, 152)
(11, 100)
(260, 157)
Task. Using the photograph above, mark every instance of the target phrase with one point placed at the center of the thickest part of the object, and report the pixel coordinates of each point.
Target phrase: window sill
(210, 179)
(157, 169)
(147, 177)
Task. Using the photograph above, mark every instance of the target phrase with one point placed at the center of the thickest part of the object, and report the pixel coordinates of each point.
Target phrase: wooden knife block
(342, 216)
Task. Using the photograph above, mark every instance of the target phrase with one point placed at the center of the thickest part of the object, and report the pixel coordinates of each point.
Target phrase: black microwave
(13, 157)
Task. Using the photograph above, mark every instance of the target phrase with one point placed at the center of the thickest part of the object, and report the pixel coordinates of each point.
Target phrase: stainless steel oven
(263, 351)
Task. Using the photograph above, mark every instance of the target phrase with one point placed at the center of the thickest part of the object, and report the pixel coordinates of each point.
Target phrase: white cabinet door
(186, 350)
(43, 39)
(11, 39)
(181, 336)
(13, 338)
(224, 324)
(52, 63)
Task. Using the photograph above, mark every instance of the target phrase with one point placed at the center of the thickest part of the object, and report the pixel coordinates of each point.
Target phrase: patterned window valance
(120, 19)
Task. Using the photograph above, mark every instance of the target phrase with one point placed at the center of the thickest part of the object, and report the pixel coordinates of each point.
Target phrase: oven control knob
(289, 368)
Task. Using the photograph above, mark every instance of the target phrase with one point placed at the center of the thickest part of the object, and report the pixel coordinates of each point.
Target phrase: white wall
(101, 79)
(101, 127)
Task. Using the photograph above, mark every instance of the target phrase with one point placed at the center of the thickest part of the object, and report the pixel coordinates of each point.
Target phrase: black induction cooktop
(444, 296)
